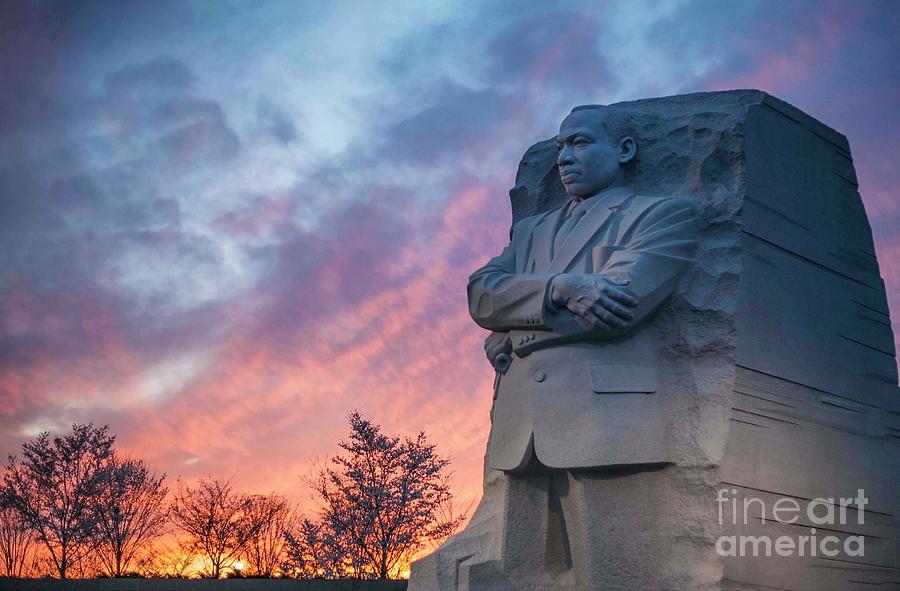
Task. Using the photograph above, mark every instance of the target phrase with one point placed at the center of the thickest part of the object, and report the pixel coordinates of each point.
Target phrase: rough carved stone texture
(786, 384)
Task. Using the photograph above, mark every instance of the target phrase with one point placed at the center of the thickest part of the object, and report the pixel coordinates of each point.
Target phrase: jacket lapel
(542, 245)
(592, 223)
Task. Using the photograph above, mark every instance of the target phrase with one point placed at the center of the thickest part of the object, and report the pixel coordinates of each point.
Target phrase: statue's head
(595, 144)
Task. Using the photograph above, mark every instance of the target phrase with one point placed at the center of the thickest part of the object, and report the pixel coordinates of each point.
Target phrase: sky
(225, 225)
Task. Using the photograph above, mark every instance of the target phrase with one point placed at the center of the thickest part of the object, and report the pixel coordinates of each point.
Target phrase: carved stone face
(589, 161)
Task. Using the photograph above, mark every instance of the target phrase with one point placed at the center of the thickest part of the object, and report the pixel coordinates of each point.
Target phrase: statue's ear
(627, 149)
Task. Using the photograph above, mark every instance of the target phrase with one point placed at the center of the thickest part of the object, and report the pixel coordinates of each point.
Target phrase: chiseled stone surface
(781, 380)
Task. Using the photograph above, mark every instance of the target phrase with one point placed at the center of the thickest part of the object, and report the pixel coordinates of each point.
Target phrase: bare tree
(271, 516)
(16, 543)
(382, 498)
(131, 512)
(54, 489)
(217, 519)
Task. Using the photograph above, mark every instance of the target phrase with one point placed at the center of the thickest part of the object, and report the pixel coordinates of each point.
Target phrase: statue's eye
(581, 142)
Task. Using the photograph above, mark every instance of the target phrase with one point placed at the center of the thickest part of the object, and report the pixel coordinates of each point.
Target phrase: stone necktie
(577, 210)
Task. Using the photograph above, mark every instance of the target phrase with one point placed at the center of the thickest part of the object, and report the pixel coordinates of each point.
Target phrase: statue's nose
(565, 155)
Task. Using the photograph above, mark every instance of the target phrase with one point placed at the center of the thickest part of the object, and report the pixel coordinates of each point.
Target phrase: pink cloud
(410, 358)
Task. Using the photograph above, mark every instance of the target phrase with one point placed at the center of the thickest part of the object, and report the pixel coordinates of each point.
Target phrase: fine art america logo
(824, 516)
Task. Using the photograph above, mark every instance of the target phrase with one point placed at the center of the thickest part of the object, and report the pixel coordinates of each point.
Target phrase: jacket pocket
(622, 378)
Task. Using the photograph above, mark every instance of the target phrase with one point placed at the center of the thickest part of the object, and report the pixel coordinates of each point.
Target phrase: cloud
(256, 217)
(276, 123)
(456, 118)
(163, 72)
(314, 352)
(101, 272)
(30, 58)
(315, 278)
(204, 139)
(543, 51)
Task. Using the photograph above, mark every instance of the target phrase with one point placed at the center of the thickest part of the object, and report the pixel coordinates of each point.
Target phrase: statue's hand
(496, 344)
(602, 303)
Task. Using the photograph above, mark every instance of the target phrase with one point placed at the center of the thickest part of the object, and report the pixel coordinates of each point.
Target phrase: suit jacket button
(539, 376)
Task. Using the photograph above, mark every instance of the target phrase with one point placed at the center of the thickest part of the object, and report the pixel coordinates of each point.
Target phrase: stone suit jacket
(575, 396)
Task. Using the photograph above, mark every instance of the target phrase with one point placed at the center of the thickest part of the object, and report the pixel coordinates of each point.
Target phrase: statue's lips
(568, 177)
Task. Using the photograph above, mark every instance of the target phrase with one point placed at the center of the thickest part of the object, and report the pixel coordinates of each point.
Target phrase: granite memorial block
(696, 377)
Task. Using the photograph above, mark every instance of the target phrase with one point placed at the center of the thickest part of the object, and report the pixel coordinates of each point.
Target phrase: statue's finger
(617, 309)
(622, 296)
(594, 320)
(608, 317)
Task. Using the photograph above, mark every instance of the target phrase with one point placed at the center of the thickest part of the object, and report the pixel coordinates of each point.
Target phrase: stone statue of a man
(578, 407)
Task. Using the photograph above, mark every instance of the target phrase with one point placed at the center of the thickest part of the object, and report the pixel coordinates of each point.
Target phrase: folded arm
(565, 307)
(502, 300)
(648, 267)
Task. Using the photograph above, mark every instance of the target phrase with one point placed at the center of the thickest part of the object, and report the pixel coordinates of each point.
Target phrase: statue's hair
(616, 122)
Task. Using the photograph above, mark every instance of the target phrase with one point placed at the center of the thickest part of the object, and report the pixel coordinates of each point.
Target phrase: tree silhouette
(131, 512)
(381, 499)
(16, 542)
(272, 517)
(314, 551)
(217, 519)
(55, 486)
